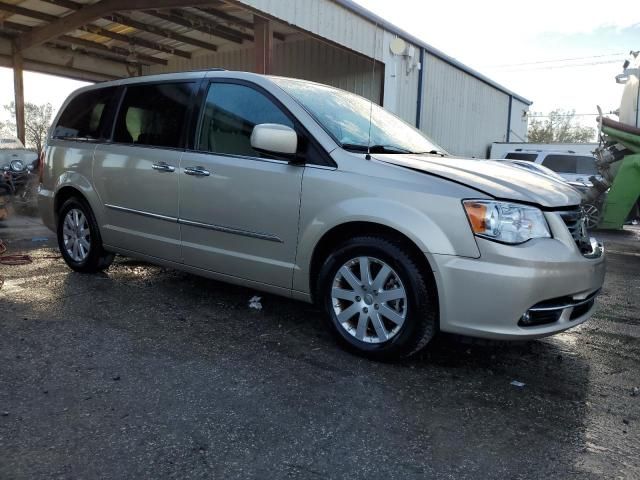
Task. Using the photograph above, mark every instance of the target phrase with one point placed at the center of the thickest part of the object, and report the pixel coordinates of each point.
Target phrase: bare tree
(559, 127)
(37, 121)
(6, 129)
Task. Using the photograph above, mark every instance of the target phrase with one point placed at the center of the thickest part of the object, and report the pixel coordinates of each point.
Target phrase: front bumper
(492, 296)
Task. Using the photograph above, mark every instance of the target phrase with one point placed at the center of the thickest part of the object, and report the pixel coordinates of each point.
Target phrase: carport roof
(133, 33)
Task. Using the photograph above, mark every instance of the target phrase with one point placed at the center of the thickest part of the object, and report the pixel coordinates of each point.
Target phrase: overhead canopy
(103, 40)
(114, 38)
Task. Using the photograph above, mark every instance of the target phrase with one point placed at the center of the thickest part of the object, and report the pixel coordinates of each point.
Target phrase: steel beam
(161, 32)
(18, 91)
(233, 20)
(89, 13)
(263, 44)
(131, 40)
(201, 24)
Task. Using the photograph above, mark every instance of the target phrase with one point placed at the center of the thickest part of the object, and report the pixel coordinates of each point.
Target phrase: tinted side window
(230, 113)
(153, 115)
(561, 163)
(529, 157)
(84, 116)
(586, 166)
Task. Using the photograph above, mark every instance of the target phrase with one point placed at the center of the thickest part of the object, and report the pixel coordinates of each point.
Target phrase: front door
(239, 208)
(136, 175)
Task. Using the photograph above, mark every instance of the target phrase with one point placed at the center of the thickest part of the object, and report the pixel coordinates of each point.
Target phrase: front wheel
(79, 238)
(378, 301)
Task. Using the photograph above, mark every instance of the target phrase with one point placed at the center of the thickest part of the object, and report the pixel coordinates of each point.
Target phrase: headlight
(506, 222)
(17, 165)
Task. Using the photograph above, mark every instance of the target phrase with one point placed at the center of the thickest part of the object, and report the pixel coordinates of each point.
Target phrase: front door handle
(163, 167)
(197, 171)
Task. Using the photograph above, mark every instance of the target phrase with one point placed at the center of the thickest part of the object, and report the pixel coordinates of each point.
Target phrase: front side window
(231, 112)
(561, 163)
(356, 123)
(83, 118)
(153, 115)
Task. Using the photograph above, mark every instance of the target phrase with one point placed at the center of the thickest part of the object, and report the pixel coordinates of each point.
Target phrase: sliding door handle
(197, 171)
(163, 167)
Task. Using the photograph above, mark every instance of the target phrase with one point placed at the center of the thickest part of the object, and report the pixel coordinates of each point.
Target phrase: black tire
(421, 321)
(97, 259)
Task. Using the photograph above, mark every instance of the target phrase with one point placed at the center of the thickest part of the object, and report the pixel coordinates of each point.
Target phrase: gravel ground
(145, 372)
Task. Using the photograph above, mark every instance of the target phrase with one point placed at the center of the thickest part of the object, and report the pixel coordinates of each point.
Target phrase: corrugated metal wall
(325, 19)
(519, 121)
(307, 58)
(460, 112)
(314, 60)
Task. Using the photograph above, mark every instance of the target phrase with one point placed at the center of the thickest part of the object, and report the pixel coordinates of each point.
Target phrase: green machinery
(618, 156)
(625, 188)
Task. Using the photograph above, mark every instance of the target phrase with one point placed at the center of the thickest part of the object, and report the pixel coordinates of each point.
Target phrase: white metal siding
(308, 59)
(325, 19)
(314, 60)
(519, 121)
(460, 112)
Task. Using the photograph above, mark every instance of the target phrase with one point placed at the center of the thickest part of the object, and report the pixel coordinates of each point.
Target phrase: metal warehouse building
(336, 42)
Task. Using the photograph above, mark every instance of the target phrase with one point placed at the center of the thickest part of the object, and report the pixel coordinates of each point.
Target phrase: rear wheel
(79, 238)
(378, 301)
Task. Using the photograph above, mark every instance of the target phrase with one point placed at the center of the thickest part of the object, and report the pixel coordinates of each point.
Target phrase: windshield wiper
(375, 148)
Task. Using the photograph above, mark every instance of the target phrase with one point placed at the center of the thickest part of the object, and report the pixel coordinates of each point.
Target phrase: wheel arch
(344, 231)
(71, 184)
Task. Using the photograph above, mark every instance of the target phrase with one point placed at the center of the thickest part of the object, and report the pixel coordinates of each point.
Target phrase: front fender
(414, 223)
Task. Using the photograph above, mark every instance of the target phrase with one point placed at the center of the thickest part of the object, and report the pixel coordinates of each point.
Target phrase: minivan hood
(493, 178)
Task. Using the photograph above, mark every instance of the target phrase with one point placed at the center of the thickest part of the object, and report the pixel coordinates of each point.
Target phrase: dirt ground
(145, 372)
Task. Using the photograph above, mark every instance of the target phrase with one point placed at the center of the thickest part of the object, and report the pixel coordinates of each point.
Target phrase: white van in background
(500, 149)
(575, 168)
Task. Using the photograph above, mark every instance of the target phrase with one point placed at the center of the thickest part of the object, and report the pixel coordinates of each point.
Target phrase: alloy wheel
(592, 216)
(369, 299)
(76, 235)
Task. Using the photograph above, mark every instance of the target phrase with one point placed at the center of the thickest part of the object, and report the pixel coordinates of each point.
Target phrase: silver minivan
(311, 192)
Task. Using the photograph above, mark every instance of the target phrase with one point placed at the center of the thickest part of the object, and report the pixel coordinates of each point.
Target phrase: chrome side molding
(218, 228)
(141, 213)
(234, 231)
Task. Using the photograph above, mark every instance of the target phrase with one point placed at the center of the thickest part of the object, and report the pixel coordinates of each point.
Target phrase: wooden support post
(18, 90)
(263, 41)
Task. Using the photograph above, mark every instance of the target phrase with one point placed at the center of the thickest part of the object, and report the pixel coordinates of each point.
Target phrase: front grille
(575, 220)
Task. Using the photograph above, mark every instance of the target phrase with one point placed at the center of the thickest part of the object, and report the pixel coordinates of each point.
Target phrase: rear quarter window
(84, 117)
(154, 114)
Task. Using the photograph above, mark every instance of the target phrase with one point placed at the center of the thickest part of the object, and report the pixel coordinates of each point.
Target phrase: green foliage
(559, 127)
(37, 121)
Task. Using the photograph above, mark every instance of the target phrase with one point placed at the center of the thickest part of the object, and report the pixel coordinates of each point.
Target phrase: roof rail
(215, 69)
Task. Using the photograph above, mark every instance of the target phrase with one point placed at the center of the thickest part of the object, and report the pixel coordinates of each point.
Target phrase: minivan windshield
(345, 116)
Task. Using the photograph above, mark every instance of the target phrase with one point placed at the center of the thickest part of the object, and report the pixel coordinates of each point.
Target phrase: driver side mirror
(274, 138)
